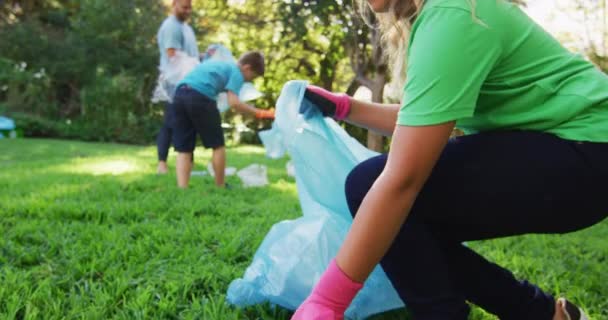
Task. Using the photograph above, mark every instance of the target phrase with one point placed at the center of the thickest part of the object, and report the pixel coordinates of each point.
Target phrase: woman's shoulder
(486, 13)
(465, 5)
(476, 7)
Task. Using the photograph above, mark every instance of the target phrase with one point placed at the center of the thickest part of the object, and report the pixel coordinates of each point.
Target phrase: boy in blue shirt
(195, 110)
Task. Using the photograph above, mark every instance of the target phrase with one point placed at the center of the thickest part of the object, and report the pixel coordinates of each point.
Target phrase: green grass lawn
(89, 231)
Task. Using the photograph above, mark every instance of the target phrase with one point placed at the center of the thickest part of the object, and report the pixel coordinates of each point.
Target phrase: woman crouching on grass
(534, 160)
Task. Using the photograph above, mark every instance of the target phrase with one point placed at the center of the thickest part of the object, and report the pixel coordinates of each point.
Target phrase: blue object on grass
(7, 124)
(295, 253)
(7, 128)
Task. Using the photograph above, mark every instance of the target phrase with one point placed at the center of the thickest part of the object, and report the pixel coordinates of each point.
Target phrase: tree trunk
(375, 141)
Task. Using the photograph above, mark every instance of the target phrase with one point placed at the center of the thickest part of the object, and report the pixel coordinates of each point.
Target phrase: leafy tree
(348, 37)
(87, 49)
(241, 27)
(594, 19)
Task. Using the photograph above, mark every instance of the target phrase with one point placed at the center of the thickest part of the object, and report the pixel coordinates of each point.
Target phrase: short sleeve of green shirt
(450, 55)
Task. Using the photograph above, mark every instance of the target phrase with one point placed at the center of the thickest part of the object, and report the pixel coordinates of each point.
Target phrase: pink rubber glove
(336, 105)
(330, 298)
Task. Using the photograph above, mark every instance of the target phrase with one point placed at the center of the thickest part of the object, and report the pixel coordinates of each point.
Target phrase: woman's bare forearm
(377, 117)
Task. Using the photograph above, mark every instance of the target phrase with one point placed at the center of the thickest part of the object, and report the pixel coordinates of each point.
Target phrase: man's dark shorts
(195, 113)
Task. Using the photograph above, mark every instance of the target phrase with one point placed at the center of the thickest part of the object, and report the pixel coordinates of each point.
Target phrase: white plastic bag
(254, 175)
(291, 170)
(248, 92)
(229, 171)
(176, 69)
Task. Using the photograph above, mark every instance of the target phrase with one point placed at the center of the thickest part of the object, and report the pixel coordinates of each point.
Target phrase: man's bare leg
(183, 168)
(162, 167)
(218, 161)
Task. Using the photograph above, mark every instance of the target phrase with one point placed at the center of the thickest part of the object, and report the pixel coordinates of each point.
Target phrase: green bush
(83, 71)
(142, 131)
(35, 126)
(26, 90)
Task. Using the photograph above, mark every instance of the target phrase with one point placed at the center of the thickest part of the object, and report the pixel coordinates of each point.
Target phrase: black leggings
(487, 186)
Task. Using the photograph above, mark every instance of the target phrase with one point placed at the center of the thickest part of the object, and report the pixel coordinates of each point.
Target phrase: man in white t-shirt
(173, 36)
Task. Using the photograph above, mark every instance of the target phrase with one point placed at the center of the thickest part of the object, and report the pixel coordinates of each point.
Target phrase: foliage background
(85, 69)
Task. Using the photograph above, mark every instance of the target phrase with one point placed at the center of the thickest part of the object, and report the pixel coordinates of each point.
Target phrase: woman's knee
(360, 180)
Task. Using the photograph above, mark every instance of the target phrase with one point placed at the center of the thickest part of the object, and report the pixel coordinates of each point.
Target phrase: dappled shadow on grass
(56, 194)
(47, 149)
(180, 257)
(121, 245)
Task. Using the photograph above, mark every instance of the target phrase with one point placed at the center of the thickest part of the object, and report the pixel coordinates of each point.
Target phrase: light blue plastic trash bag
(273, 143)
(7, 128)
(295, 253)
(7, 124)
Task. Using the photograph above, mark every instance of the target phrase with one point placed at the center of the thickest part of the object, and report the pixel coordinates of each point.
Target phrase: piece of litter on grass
(291, 170)
(254, 175)
(230, 171)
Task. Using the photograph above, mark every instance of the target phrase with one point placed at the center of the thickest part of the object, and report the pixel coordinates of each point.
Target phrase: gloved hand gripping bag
(295, 253)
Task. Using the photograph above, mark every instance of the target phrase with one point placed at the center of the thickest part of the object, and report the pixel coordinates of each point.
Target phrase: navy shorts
(195, 113)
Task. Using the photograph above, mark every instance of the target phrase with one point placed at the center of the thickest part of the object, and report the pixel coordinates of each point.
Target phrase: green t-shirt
(493, 68)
